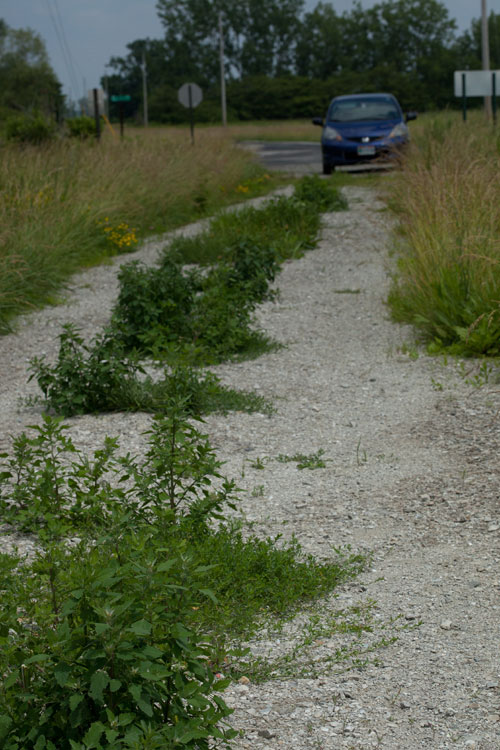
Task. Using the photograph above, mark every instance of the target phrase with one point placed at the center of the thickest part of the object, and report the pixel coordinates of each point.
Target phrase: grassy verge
(447, 199)
(258, 130)
(72, 204)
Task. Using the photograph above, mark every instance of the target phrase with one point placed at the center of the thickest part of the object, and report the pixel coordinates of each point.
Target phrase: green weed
(321, 193)
(97, 377)
(116, 640)
(305, 461)
(170, 314)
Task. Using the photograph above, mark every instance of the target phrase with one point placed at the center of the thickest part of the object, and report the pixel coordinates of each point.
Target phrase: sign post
(477, 83)
(95, 99)
(121, 98)
(190, 95)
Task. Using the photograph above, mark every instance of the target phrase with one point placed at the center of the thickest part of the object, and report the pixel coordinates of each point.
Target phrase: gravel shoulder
(411, 476)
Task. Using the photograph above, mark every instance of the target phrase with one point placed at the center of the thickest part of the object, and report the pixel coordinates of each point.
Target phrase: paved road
(298, 157)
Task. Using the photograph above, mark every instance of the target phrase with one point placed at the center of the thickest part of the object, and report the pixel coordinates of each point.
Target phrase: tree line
(282, 62)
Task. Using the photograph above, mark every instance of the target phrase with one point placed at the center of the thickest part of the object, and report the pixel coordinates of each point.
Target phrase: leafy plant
(116, 642)
(30, 129)
(49, 484)
(99, 376)
(305, 461)
(85, 378)
(81, 127)
(100, 655)
(321, 193)
(157, 300)
(183, 315)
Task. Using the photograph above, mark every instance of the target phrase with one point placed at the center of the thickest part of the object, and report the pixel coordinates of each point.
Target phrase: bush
(174, 314)
(115, 640)
(102, 656)
(81, 127)
(321, 193)
(99, 377)
(35, 129)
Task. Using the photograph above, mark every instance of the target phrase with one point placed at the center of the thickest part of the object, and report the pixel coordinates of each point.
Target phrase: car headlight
(330, 134)
(399, 131)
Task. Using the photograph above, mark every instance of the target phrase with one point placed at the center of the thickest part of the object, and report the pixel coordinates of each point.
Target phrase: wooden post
(464, 99)
(97, 115)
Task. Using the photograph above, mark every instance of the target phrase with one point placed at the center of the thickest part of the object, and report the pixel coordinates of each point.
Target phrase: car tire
(328, 168)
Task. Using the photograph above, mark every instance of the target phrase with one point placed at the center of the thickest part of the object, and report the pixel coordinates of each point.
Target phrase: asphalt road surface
(301, 157)
(297, 157)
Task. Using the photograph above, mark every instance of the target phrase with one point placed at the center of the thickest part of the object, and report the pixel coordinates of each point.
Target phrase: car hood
(373, 129)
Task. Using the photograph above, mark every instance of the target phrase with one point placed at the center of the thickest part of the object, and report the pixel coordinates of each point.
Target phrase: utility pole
(222, 73)
(144, 89)
(485, 46)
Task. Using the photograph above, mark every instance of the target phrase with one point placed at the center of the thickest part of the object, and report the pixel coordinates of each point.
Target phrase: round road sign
(190, 95)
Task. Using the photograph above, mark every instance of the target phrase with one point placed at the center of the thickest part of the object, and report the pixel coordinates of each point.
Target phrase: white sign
(190, 95)
(100, 102)
(477, 82)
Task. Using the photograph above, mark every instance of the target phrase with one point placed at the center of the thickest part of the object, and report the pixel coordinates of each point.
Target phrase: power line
(68, 48)
(66, 53)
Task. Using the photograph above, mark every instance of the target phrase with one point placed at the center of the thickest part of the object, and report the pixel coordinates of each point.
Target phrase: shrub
(174, 314)
(100, 377)
(114, 641)
(81, 127)
(35, 129)
(97, 652)
(321, 193)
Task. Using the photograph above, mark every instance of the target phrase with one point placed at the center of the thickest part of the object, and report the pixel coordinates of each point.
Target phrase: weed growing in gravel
(320, 642)
(305, 461)
(288, 226)
(116, 639)
(321, 193)
(101, 377)
(168, 313)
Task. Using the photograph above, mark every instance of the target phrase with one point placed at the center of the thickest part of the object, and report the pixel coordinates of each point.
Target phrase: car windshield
(357, 110)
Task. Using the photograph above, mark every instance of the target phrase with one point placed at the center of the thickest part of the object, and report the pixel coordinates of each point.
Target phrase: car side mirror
(317, 121)
(411, 116)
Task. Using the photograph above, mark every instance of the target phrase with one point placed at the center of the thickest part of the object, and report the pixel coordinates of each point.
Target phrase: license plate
(366, 150)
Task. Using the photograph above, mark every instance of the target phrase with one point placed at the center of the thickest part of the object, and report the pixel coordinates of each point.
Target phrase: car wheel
(327, 168)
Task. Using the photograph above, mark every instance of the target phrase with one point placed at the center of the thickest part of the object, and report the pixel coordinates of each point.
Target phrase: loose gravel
(411, 476)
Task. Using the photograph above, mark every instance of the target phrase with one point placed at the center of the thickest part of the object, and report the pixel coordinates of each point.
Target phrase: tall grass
(57, 201)
(447, 198)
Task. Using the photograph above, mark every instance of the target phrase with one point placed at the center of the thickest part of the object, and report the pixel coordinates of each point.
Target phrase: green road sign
(120, 97)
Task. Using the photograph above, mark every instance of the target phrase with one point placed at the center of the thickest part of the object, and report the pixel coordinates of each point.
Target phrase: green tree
(468, 45)
(259, 35)
(27, 81)
(318, 51)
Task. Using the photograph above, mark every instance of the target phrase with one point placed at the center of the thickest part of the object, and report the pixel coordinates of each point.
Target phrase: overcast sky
(95, 30)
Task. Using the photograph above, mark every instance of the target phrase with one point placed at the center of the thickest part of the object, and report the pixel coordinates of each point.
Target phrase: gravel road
(411, 476)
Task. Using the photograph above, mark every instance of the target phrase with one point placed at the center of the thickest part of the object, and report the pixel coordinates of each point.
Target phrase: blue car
(362, 127)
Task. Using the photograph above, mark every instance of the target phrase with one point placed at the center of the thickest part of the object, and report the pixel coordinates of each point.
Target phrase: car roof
(346, 97)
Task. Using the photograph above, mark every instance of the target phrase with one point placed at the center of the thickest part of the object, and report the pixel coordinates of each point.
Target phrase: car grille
(360, 140)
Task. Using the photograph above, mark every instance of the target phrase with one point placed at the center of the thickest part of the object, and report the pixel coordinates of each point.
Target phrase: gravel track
(411, 476)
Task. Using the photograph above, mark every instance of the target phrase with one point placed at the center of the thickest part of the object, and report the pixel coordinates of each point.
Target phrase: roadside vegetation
(447, 198)
(185, 316)
(128, 622)
(73, 203)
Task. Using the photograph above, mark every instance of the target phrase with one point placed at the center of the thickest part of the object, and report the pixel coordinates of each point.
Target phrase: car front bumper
(337, 153)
